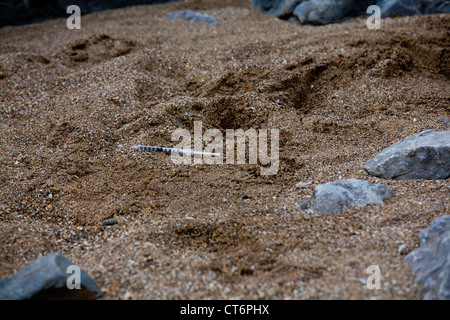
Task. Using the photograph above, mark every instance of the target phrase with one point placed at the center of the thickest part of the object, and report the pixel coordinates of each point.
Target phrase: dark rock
(425, 155)
(303, 205)
(192, 16)
(431, 262)
(333, 197)
(314, 11)
(277, 8)
(17, 12)
(412, 7)
(324, 11)
(46, 278)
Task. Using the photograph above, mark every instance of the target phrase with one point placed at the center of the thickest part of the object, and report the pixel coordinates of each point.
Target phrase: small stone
(192, 16)
(110, 222)
(303, 205)
(128, 296)
(403, 249)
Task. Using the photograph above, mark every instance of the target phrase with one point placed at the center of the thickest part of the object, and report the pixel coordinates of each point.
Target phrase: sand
(73, 102)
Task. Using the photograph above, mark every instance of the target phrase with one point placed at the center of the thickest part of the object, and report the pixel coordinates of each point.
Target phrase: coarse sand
(73, 102)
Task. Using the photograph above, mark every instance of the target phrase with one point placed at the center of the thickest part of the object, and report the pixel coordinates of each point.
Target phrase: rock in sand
(46, 278)
(431, 262)
(333, 197)
(425, 155)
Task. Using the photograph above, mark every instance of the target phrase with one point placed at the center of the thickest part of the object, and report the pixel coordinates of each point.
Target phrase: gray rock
(445, 121)
(431, 262)
(192, 16)
(323, 11)
(434, 230)
(16, 12)
(303, 184)
(314, 11)
(110, 222)
(425, 155)
(413, 7)
(277, 8)
(46, 278)
(333, 197)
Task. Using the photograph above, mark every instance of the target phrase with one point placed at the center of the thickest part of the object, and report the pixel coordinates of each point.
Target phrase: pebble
(403, 249)
(110, 222)
(46, 279)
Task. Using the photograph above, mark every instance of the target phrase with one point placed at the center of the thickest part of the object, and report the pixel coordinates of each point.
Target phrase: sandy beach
(73, 102)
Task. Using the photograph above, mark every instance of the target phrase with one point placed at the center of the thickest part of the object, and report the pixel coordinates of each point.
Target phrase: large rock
(333, 197)
(46, 278)
(412, 7)
(431, 262)
(329, 11)
(425, 155)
